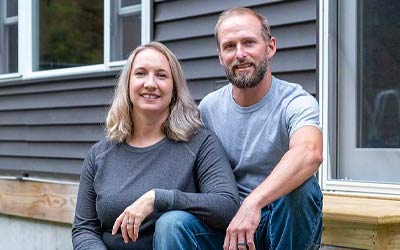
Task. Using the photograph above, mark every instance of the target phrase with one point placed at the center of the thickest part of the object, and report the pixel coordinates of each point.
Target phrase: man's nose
(240, 52)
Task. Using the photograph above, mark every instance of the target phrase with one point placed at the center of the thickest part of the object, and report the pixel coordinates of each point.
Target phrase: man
(270, 131)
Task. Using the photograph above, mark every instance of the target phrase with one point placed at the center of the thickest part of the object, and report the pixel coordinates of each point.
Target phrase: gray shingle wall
(187, 27)
(48, 125)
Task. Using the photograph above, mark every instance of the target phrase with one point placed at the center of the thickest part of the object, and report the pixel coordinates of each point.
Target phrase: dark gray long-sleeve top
(195, 177)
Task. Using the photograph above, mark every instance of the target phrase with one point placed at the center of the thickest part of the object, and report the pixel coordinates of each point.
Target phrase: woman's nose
(150, 83)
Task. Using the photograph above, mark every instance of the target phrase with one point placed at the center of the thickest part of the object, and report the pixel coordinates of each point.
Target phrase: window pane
(70, 34)
(13, 48)
(12, 8)
(379, 83)
(125, 3)
(126, 35)
(9, 49)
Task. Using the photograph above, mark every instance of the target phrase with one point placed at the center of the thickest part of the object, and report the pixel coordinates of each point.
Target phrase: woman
(156, 158)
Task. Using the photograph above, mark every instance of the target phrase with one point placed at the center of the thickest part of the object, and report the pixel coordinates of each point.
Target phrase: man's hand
(240, 231)
(133, 216)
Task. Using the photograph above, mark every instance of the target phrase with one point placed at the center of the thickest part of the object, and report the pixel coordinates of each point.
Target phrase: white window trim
(327, 184)
(25, 43)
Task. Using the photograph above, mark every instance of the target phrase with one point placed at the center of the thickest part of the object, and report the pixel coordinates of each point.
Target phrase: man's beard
(247, 80)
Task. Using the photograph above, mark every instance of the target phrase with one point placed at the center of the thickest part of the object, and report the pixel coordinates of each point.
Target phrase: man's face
(242, 50)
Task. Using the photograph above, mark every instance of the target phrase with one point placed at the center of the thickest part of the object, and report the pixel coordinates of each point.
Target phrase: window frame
(328, 106)
(7, 21)
(26, 41)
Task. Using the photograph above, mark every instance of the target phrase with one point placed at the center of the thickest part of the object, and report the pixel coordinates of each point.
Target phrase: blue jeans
(179, 230)
(291, 222)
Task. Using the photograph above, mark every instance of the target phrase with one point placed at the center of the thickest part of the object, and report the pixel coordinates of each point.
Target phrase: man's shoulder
(215, 97)
(288, 86)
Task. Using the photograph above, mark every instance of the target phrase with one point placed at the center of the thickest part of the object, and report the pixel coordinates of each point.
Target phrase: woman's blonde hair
(183, 120)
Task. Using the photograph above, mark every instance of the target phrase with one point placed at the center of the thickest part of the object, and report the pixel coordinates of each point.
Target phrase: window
(69, 33)
(125, 27)
(360, 65)
(63, 37)
(8, 36)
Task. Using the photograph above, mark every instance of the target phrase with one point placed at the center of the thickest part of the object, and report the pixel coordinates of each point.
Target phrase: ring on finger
(241, 243)
(129, 222)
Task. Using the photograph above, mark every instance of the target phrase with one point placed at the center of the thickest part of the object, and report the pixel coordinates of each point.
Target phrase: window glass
(125, 33)
(368, 95)
(125, 3)
(70, 34)
(130, 39)
(379, 82)
(12, 8)
(13, 48)
(9, 38)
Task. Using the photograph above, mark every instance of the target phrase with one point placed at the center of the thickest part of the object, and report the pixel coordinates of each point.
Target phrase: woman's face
(151, 83)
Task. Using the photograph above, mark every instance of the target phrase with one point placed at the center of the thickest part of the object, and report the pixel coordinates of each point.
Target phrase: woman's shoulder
(102, 146)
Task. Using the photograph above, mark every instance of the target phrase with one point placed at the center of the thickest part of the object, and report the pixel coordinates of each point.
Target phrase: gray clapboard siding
(187, 28)
(284, 61)
(82, 115)
(207, 47)
(60, 133)
(56, 86)
(278, 14)
(47, 125)
(71, 150)
(32, 164)
(179, 9)
(70, 98)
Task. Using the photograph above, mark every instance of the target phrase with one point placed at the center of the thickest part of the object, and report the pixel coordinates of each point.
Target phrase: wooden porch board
(45, 201)
(361, 223)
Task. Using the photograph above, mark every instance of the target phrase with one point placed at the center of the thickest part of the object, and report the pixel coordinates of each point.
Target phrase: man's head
(245, 46)
(265, 29)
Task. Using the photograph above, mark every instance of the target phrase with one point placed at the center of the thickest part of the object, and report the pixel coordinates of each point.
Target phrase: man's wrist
(252, 202)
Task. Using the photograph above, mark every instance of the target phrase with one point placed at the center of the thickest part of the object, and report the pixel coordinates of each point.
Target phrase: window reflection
(379, 82)
(70, 34)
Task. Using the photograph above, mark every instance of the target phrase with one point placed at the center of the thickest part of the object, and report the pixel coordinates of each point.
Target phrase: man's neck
(249, 96)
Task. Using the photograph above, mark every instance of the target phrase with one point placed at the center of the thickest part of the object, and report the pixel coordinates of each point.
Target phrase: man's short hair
(265, 29)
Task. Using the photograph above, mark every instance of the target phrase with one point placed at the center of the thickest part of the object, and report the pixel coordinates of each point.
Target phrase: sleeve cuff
(164, 200)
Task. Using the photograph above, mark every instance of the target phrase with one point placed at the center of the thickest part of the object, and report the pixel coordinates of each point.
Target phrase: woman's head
(183, 119)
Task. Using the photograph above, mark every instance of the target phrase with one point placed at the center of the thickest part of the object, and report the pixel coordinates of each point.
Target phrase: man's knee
(174, 222)
(307, 194)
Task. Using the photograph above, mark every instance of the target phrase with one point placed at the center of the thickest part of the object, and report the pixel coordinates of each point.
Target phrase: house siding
(48, 125)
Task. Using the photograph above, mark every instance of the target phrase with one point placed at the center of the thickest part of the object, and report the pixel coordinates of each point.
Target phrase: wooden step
(361, 222)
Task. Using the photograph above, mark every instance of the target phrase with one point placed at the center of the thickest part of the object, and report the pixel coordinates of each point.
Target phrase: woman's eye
(139, 73)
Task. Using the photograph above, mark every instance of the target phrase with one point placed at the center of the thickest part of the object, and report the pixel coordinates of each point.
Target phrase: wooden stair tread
(362, 210)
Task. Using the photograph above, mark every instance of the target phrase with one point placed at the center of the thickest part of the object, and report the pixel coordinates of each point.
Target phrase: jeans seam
(316, 223)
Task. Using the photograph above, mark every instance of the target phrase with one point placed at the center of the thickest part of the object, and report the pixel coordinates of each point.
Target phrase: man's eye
(229, 46)
(250, 42)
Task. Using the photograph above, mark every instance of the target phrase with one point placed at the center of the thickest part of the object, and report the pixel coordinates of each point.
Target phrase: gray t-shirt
(256, 137)
(195, 177)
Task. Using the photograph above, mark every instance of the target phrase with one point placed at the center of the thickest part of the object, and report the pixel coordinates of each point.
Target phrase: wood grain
(361, 223)
(45, 201)
(364, 210)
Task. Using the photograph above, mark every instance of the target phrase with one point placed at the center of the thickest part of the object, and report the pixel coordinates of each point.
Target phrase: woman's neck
(147, 130)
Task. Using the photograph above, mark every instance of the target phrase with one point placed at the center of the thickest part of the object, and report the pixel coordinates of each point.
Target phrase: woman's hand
(133, 216)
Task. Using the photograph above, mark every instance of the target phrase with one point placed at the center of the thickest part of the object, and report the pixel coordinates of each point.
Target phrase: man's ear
(220, 58)
(271, 48)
